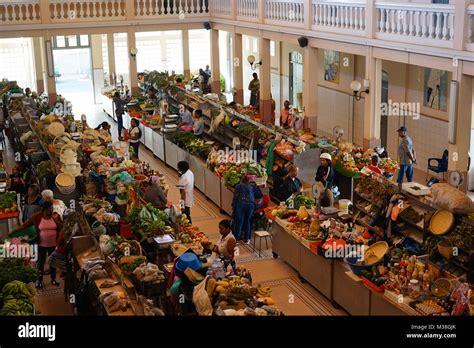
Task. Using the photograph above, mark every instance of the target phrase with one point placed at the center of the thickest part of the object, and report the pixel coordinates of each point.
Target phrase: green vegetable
(7, 199)
(232, 178)
(302, 200)
(147, 221)
(14, 269)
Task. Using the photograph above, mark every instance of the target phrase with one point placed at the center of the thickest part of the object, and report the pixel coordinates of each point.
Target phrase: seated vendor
(225, 245)
(291, 184)
(155, 194)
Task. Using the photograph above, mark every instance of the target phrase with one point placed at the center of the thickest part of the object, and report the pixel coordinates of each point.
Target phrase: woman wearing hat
(325, 176)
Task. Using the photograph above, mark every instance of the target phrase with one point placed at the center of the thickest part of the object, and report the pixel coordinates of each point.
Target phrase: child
(198, 126)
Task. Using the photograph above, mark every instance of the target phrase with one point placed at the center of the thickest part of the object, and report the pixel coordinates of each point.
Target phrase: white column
(185, 48)
(97, 66)
(238, 67)
(310, 86)
(373, 73)
(215, 67)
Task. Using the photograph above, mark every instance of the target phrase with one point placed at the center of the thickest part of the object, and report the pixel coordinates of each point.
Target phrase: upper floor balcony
(415, 24)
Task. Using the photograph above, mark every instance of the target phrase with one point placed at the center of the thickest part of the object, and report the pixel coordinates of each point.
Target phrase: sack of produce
(450, 198)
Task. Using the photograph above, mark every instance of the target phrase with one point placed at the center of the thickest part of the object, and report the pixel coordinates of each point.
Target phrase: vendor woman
(225, 245)
(155, 195)
(325, 176)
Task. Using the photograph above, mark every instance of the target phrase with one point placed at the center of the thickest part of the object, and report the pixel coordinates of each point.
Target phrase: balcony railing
(339, 17)
(421, 24)
(426, 25)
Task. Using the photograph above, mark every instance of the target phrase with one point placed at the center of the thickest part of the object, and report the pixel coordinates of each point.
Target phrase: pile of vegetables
(253, 168)
(193, 144)
(232, 177)
(304, 201)
(147, 222)
(8, 202)
(14, 269)
(108, 152)
(43, 168)
(92, 205)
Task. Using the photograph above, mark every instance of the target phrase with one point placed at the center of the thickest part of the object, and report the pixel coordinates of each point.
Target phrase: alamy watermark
(392, 108)
(338, 251)
(23, 251)
(236, 156)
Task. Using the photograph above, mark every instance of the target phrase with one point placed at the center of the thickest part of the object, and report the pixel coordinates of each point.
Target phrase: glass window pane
(272, 48)
(60, 41)
(72, 40)
(84, 40)
(199, 50)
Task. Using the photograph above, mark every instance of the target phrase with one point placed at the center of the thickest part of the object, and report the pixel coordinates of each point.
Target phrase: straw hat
(441, 222)
(65, 180)
(56, 128)
(68, 156)
(375, 253)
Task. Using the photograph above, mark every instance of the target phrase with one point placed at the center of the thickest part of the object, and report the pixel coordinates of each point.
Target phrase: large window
(17, 64)
(160, 50)
(121, 57)
(199, 49)
(71, 41)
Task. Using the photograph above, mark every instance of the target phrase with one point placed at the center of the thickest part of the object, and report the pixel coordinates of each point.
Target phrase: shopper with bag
(186, 188)
(48, 228)
(119, 104)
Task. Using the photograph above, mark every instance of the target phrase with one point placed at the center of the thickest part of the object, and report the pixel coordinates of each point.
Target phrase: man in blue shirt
(406, 155)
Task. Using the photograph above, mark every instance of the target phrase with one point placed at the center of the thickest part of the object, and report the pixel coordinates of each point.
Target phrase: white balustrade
(339, 16)
(173, 8)
(222, 7)
(86, 10)
(416, 23)
(19, 12)
(247, 8)
(285, 11)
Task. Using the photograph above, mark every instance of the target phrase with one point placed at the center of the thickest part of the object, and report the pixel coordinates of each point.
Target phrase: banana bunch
(17, 290)
(17, 307)
(184, 220)
(263, 292)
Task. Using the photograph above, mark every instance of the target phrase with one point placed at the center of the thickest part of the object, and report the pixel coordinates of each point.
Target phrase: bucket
(344, 205)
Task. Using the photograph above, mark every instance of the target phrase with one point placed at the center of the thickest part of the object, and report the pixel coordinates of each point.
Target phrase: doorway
(73, 71)
(296, 79)
(383, 115)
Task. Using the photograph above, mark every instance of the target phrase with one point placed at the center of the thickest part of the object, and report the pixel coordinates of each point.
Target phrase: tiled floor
(290, 295)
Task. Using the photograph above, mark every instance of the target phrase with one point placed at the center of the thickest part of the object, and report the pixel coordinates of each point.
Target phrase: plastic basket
(29, 232)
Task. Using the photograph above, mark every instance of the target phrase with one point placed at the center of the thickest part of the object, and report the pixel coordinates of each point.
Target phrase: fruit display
(429, 307)
(462, 236)
(285, 150)
(300, 228)
(388, 165)
(16, 298)
(8, 203)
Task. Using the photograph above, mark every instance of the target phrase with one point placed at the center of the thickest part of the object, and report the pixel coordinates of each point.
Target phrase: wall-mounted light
(253, 65)
(207, 25)
(49, 57)
(133, 52)
(356, 87)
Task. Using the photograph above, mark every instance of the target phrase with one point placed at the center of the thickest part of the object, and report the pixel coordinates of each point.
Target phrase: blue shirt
(243, 194)
(187, 118)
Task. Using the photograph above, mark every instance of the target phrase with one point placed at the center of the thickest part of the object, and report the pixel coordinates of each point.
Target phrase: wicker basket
(65, 183)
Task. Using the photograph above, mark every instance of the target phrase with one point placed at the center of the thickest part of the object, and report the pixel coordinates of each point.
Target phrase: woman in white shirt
(186, 187)
(225, 245)
(134, 136)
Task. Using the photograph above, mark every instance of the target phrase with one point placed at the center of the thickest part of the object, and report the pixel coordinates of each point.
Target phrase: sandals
(39, 284)
(54, 282)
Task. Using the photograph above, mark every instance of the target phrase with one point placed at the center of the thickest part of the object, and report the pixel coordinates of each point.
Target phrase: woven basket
(65, 183)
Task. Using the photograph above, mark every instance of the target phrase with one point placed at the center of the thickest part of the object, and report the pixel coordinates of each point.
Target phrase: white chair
(261, 235)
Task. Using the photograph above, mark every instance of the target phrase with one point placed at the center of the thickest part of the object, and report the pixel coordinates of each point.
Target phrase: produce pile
(16, 298)
(147, 222)
(8, 203)
(235, 296)
(233, 173)
(115, 301)
(374, 191)
(43, 168)
(100, 209)
(192, 144)
(15, 269)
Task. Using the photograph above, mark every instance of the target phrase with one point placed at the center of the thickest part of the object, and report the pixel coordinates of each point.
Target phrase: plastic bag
(201, 299)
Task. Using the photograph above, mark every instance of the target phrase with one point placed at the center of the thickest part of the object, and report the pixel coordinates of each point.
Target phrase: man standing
(254, 88)
(186, 188)
(407, 156)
